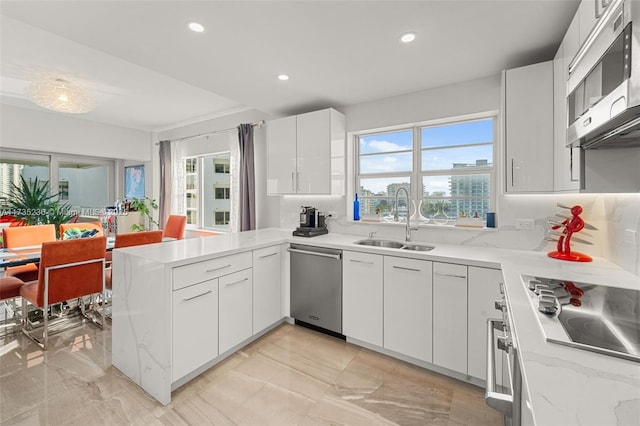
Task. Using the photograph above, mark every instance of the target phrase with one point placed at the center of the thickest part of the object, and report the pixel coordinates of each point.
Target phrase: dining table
(17, 256)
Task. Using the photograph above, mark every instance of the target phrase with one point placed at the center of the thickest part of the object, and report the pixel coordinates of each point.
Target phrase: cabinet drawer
(449, 271)
(184, 276)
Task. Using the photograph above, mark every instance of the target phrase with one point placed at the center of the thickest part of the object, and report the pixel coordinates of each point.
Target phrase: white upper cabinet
(588, 19)
(305, 154)
(528, 112)
(566, 160)
(282, 155)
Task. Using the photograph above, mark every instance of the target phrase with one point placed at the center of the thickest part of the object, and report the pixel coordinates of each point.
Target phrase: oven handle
(336, 256)
(500, 401)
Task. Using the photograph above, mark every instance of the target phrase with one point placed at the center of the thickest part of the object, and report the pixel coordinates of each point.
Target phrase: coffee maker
(312, 223)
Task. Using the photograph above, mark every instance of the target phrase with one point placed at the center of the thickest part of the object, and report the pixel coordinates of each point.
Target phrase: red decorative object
(570, 225)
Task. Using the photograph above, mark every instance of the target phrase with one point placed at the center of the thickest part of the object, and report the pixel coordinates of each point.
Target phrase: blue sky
(447, 137)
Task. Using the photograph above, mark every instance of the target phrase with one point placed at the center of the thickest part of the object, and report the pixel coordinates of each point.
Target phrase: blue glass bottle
(356, 209)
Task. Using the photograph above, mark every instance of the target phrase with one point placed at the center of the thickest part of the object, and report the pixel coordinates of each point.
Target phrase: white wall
(448, 101)
(51, 132)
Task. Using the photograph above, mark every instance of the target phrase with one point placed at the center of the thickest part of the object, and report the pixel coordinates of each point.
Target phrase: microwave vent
(624, 136)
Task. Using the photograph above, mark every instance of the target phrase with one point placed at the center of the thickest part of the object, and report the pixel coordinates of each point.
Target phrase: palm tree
(33, 202)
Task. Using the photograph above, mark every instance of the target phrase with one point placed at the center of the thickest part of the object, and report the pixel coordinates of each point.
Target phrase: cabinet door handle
(298, 182)
(450, 275)
(236, 282)
(293, 183)
(217, 269)
(406, 269)
(268, 255)
(198, 295)
(360, 261)
(513, 182)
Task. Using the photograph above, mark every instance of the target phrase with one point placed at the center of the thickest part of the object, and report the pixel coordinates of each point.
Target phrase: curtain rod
(256, 124)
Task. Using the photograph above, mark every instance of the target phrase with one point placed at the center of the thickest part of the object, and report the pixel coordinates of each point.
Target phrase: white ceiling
(150, 72)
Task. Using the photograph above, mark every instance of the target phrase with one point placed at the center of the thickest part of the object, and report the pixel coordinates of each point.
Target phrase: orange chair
(69, 270)
(175, 226)
(133, 239)
(9, 290)
(83, 226)
(21, 236)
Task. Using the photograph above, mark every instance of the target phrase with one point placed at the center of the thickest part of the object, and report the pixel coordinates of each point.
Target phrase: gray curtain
(165, 182)
(247, 187)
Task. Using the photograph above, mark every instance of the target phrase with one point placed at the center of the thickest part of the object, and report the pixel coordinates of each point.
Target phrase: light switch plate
(528, 224)
(630, 236)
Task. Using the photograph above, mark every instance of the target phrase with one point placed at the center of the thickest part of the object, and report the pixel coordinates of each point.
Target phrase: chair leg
(25, 324)
(45, 330)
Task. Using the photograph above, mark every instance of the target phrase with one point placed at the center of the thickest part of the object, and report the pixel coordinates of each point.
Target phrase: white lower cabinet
(450, 316)
(362, 292)
(195, 337)
(483, 291)
(407, 307)
(235, 309)
(267, 291)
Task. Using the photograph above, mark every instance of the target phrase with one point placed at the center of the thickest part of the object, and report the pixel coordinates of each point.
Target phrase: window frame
(54, 162)
(416, 175)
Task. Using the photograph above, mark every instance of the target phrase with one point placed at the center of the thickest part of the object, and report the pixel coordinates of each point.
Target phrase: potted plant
(145, 206)
(32, 202)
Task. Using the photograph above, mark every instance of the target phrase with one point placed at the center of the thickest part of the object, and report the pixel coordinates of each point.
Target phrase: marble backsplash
(616, 217)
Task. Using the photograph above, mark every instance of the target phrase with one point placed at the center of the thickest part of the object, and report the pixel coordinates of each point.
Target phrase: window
(208, 190)
(451, 163)
(222, 167)
(221, 218)
(221, 193)
(84, 184)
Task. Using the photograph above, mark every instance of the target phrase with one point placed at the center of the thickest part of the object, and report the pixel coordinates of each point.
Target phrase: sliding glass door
(85, 184)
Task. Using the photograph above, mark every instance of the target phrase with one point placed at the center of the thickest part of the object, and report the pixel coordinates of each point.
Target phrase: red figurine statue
(570, 225)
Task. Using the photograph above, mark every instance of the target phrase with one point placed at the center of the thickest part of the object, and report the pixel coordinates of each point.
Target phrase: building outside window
(208, 191)
(453, 163)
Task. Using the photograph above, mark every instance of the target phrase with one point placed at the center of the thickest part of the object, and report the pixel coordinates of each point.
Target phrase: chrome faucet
(396, 217)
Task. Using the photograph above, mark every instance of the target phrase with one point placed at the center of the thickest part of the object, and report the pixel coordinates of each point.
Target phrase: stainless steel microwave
(603, 86)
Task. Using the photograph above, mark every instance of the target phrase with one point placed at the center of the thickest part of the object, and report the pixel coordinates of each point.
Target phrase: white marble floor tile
(291, 376)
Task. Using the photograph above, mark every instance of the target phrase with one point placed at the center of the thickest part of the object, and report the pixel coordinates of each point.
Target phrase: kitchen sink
(417, 247)
(380, 243)
(394, 244)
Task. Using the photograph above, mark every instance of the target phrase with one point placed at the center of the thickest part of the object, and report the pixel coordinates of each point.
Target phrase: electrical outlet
(528, 224)
(630, 236)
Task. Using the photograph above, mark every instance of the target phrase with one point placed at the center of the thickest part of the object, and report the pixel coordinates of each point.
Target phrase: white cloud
(385, 146)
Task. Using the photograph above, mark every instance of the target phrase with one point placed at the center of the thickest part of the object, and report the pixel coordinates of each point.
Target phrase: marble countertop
(566, 386)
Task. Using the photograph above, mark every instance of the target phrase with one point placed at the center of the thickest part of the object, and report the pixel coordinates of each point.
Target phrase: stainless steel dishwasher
(316, 287)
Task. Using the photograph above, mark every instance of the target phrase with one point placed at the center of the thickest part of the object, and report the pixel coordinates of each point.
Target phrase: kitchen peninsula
(562, 385)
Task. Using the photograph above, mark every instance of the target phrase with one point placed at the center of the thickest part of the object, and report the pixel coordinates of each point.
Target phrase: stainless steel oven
(499, 338)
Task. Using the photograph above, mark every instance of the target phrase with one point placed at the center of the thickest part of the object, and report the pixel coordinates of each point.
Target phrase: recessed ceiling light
(195, 27)
(408, 37)
(283, 77)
